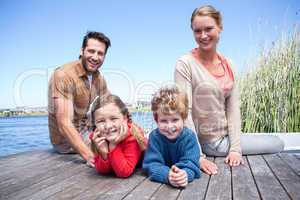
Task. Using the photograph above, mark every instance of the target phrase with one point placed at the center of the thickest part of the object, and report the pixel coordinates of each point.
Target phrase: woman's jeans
(250, 144)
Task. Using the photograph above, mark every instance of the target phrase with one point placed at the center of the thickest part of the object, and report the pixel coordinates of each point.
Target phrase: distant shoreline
(2, 115)
(25, 115)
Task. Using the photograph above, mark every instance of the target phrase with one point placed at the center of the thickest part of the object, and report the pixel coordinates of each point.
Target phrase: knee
(213, 152)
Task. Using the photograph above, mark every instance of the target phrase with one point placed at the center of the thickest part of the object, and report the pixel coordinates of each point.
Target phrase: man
(72, 87)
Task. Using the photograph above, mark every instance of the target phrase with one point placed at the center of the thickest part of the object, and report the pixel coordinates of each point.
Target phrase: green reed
(270, 92)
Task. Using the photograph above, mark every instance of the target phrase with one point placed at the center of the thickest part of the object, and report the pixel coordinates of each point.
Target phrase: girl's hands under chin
(119, 137)
(101, 144)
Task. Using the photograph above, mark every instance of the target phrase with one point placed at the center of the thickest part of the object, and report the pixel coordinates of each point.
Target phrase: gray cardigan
(212, 115)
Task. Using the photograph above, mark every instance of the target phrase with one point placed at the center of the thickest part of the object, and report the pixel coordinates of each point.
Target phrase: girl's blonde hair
(104, 100)
(210, 11)
(170, 99)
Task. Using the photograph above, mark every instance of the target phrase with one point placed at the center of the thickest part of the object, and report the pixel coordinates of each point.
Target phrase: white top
(90, 78)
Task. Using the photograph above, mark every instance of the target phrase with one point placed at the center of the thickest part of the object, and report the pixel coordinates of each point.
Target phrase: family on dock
(197, 116)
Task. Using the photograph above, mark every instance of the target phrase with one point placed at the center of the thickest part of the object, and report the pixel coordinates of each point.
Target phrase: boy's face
(170, 125)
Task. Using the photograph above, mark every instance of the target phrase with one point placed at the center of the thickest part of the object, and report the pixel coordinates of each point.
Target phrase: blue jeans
(250, 144)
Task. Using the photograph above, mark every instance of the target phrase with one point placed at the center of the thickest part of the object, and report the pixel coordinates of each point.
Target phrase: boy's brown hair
(168, 100)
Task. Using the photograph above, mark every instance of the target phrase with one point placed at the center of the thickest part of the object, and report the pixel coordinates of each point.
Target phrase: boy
(173, 152)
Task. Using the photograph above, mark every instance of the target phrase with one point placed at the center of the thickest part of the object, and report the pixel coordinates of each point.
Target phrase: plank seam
(178, 195)
(145, 178)
(277, 177)
(297, 157)
(288, 165)
(41, 180)
(96, 186)
(206, 190)
(70, 187)
(231, 183)
(257, 188)
(158, 188)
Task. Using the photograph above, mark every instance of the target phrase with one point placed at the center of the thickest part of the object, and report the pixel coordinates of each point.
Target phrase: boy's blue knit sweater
(162, 153)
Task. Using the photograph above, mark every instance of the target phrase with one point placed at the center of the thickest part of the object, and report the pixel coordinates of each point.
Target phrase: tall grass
(270, 92)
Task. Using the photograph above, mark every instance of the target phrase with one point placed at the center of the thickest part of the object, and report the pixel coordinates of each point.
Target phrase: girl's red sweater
(122, 159)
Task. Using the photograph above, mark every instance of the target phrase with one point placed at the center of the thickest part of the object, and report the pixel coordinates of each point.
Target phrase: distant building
(129, 105)
(23, 111)
(141, 103)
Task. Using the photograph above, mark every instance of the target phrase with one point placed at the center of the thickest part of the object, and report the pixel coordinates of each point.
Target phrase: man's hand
(177, 177)
(91, 162)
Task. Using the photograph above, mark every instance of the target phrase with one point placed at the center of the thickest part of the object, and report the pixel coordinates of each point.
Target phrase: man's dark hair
(97, 36)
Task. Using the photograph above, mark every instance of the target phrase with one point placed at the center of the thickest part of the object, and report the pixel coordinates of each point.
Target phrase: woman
(214, 114)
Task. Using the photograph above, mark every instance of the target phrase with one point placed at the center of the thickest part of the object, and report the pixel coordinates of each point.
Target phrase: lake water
(19, 134)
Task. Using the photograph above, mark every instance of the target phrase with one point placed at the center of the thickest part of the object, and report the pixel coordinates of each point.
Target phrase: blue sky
(147, 38)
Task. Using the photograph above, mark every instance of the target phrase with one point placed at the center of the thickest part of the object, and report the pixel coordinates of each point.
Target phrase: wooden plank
(98, 189)
(243, 185)
(296, 154)
(144, 190)
(26, 176)
(40, 181)
(196, 189)
(166, 192)
(193, 190)
(85, 190)
(219, 186)
(123, 187)
(268, 185)
(66, 177)
(16, 180)
(87, 180)
(13, 171)
(22, 159)
(291, 161)
(288, 178)
(60, 185)
(13, 157)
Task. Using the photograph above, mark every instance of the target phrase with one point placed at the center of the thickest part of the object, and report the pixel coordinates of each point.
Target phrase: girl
(117, 142)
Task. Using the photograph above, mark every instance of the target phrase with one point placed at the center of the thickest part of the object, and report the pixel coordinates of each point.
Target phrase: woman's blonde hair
(170, 99)
(210, 11)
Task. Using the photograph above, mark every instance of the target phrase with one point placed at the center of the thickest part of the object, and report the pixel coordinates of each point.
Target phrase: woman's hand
(208, 167)
(234, 159)
(100, 143)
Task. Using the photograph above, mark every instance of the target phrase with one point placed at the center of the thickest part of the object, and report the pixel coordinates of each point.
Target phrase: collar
(195, 53)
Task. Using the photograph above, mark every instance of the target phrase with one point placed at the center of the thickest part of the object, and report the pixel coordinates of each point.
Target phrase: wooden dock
(46, 175)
